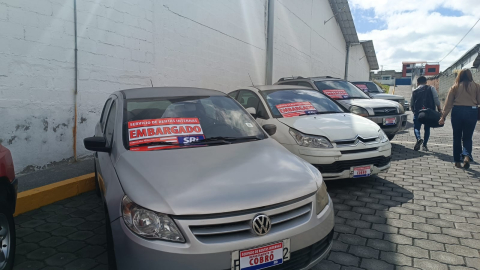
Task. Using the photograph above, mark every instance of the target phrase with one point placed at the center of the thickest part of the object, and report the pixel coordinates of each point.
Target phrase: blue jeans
(416, 128)
(464, 120)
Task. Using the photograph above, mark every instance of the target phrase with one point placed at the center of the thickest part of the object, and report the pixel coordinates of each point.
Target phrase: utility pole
(269, 60)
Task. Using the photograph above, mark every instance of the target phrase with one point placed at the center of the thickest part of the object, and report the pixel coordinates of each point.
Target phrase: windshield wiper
(154, 143)
(226, 140)
(318, 113)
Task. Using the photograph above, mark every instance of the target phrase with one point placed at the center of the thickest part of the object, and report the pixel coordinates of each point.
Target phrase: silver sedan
(191, 181)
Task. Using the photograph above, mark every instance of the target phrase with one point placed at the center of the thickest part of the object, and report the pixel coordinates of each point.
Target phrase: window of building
(386, 78)
(432, 69)
(408, 70)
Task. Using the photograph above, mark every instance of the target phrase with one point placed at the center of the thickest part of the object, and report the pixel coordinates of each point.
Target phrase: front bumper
(311, 239)
(391, 130)
(333, 164)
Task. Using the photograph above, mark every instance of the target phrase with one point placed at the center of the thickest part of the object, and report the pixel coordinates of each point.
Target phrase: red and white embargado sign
(174, 130)
(363, 87)
(262, 257)
(296, 109)
(336, 93)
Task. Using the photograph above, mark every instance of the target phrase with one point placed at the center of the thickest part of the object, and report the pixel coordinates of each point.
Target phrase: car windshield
(338, 89)
(160, 123)
(289, 103)
(369, 87)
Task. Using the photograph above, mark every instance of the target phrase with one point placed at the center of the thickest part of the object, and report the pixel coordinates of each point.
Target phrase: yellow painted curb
(38, 197)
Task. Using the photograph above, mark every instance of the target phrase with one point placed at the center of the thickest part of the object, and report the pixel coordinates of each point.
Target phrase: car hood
(388, 96)
(215, 179)
(336, 126)
(368, 103)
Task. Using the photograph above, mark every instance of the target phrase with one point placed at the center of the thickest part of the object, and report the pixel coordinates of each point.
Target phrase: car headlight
(322, 198)
(401, 109)
(359, 110)
(149, 224)
(310, 140)
(382, 136)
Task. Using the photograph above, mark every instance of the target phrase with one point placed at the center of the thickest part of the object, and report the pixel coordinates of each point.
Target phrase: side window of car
(104, 112)
(233, 94)
(289, 83)
(305, 84)
(250, 99)
(110, 123)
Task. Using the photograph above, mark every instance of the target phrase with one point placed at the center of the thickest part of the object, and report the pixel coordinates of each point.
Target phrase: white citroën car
(312, 126)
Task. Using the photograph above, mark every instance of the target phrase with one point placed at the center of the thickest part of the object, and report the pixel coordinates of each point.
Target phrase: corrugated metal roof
(370, 53)
(343, 15)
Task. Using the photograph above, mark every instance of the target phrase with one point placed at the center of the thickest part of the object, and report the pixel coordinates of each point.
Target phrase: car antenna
(151, 82)
(251, 79)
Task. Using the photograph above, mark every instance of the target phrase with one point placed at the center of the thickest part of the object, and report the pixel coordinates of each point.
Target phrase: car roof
(317, 78)
(281, 87)
(151, 92)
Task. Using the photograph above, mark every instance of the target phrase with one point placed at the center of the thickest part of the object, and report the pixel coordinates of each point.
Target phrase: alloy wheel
(5, 241)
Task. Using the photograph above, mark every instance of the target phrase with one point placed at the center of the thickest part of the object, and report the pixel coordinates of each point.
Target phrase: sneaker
(466, 162)
(418, 144)
(425, 148)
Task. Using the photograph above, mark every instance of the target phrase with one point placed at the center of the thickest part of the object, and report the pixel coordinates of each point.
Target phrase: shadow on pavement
(401, 152)
(367, 221)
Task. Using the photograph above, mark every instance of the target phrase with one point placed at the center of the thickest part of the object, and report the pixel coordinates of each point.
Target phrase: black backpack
(422, 99)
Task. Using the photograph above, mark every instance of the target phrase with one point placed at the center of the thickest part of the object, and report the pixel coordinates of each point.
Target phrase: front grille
(236, 231)
(340, 166)
(359, 151)
(355, 141)
(302, 258)
(385, 111)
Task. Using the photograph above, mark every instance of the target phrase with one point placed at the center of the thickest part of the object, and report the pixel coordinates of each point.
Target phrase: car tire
(390, 137)
(112, 261)
(7, 237)
(97, 185)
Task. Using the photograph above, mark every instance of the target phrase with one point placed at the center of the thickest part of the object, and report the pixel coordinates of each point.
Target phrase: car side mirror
(97, 144)
(252, 111)
(270, 129)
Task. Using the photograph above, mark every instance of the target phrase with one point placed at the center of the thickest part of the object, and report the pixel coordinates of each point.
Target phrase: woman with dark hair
(464, 98)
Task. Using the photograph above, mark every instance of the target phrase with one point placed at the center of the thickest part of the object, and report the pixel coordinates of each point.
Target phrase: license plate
(363, 171)
(261, 257)
(389, 121)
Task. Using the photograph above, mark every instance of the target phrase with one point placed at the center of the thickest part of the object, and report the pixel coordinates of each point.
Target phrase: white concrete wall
(305, 46)
(358, 68)
(36, 80)
(129, 43)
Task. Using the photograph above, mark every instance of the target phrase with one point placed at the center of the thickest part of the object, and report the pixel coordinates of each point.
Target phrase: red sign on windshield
(336, 93)
(173, 130)
(296, 109)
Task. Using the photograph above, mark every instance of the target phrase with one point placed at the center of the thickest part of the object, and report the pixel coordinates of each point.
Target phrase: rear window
(368, 87)
(340, 90)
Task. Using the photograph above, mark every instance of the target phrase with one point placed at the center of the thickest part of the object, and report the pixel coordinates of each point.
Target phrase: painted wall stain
(1, 141)
(45, 124)
(24, 127)
(28, 138)
(83, 119)
(10, 141)
(57, 126)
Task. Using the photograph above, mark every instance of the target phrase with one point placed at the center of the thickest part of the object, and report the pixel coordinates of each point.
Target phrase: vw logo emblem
(261, 225)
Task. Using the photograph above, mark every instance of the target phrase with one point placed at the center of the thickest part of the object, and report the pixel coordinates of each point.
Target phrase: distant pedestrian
(464, 97)
(423, 97)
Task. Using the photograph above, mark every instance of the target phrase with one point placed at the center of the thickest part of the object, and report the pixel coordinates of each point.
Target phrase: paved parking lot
(422, 214)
